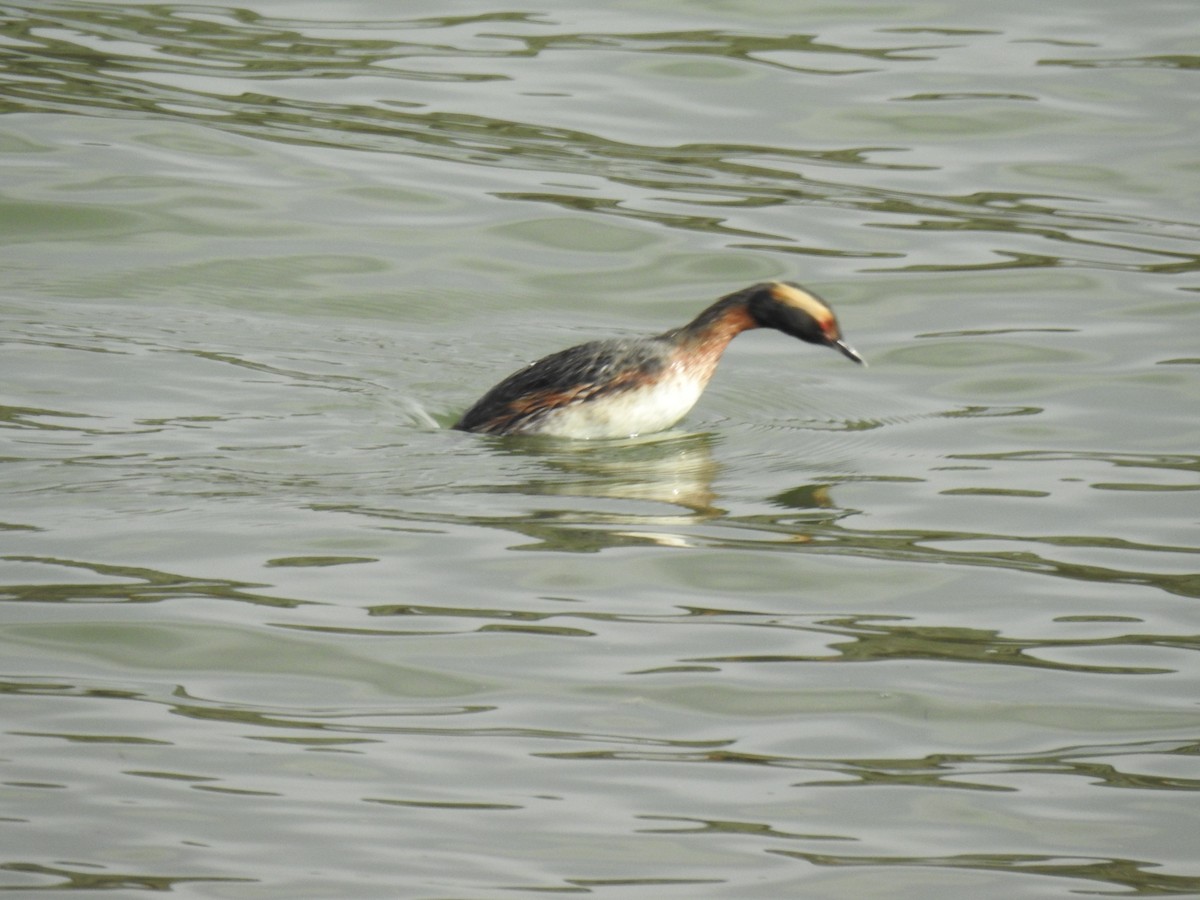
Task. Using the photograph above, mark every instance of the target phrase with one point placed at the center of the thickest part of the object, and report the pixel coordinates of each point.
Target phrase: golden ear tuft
(798, 298)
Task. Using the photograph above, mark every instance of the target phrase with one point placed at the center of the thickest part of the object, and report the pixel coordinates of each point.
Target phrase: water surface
(270, 629)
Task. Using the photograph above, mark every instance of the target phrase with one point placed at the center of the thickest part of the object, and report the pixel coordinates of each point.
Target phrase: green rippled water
(269, 629)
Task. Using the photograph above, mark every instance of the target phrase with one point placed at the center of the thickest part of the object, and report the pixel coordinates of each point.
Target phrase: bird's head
(796, 311)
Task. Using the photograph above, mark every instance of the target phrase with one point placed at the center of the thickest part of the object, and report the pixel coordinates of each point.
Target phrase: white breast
(641, 410)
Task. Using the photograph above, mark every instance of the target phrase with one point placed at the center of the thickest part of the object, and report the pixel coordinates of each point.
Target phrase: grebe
(627, 386)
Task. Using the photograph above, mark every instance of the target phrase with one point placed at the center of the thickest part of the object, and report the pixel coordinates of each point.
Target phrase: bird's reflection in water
(587, 496)
(657, 489)
(676, 468)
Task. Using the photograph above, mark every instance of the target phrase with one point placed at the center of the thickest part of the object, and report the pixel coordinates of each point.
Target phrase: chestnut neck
(700, 343)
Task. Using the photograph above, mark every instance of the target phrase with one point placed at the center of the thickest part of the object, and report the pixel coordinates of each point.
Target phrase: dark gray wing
(575, 375)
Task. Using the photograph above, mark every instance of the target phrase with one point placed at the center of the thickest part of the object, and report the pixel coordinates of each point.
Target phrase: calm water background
(928, 629)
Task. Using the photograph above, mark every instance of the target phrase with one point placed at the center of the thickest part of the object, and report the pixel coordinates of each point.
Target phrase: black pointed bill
(847, 351)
